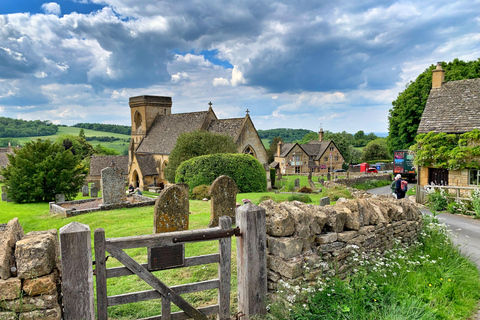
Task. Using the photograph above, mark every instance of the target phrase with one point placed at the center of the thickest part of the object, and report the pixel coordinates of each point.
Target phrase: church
(155, 130)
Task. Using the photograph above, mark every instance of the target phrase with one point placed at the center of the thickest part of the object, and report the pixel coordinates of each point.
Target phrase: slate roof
(162, 137)
(229, 127)
(313, 148)
(452, 108)
(147, 164)
(98, 163)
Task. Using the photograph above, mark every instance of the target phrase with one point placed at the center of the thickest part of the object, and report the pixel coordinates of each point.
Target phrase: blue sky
(293, 64)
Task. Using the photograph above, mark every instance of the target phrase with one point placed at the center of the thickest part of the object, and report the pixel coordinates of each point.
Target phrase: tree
(77, 145)
(404, 118)
(81, 134)
(42, 169)
(272, 149)
(376, 150)
(197, 143)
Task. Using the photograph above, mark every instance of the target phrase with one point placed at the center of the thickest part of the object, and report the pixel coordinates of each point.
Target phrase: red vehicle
(371, 170)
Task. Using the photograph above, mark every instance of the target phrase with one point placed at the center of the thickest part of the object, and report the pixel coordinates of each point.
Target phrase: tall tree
(272, 149)
(404, 117)
(376, 150)
(42, 169)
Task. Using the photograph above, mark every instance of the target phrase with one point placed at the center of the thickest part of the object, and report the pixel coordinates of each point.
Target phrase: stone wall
(348, 182)
(30, 274)
(323, 238)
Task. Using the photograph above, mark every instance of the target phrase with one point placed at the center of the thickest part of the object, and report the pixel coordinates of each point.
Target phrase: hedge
(244, 169)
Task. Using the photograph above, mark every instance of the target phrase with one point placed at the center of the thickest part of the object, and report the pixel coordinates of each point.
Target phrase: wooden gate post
(77, 272)
(251, 260)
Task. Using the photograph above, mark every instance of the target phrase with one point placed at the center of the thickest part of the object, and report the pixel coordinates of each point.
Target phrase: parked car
(371, 170)
(340, 170)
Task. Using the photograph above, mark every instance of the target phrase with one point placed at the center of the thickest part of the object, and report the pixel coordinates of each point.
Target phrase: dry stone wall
(358, 179)
(323, 238)
(29, 272)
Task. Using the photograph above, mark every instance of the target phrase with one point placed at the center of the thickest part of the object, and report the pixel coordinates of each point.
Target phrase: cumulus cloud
(220, 82)
(52, 8)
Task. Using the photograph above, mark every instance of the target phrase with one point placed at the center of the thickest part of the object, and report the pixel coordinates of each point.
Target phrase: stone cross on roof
(210, 104)
(248, 111)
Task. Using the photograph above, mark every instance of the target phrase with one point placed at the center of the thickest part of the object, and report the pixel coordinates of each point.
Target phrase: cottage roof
(452, 108)
(285, 149)
(162, 137)
(229, 127)
(147, 164)
(98, 163)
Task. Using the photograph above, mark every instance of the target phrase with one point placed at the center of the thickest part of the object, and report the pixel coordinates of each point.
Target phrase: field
(120, 145)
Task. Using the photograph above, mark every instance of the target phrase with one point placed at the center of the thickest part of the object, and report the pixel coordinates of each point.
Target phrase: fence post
(77, 271)
(224, 270)
(251, 260)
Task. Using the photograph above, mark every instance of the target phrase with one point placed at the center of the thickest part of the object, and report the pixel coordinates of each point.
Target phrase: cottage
(320, 156)
(155, 130)
(452, 107)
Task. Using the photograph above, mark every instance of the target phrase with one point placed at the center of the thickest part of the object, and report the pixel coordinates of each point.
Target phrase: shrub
(437, 201)
(265, 198)
(337, 192)
(244, 169)
(300, 197)
(305, 189)
(272, 175)
(200, 192)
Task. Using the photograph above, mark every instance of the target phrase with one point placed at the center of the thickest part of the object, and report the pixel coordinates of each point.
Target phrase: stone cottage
(321, 156)
(155, 130)
(452, 107)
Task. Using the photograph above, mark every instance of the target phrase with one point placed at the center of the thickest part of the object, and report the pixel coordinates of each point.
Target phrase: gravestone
(85, 191)
(4, 189)
(171, 210)
(113, 186)
(59, 198)
(96, 185)
(324, 201)
(94, 192)
(312, 185)
(4, 196)
(269, 181)
(322, 181)
(297, 183)
(328, 176)
(310, 176)
(224, 199)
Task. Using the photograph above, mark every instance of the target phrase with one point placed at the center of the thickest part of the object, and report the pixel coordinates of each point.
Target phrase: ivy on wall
(448, 151)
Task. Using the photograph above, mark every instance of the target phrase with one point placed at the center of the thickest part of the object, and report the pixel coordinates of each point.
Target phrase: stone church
(155, 130)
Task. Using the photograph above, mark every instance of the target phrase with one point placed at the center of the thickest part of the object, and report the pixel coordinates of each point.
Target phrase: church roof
(452, 108)
(147, 164)
(229, 127)
(98, 163)
(162, 137)
(3, 160)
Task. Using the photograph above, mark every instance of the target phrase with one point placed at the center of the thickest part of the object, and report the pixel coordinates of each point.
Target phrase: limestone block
(36, 255)
(10, 289)
(28, 303)
(49, 314)
(327, 238)
(367, 230)
(285, 247)
(287, 268)
(313, 221)
(272, 276)
(12, 233)
(43, 285)
(335, 220)
(8, 315)
(358, 241)
(314, 261)
(324, 201)
(330, 247)
(347, 235)
(279, 221)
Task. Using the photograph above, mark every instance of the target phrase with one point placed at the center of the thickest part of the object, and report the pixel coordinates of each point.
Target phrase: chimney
(320, 135)
(279, 148)
(438, 76)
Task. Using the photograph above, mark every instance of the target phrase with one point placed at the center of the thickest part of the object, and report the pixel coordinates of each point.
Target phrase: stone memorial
(94, 192)
(223, 202)
(113, 186)
(310, 176)
(328, 176)
(4, 196)
(297, 183)
(4, 189)
(85, 191)
(171, 210)
(324, 201)
(312, 185)
(59, 198)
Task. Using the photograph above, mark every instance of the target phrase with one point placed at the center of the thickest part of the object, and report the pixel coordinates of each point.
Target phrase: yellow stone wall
(249, 137)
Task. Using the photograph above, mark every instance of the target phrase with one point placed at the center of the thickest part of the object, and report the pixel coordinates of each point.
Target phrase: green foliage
(114, 128)
(475, 196)
(77, 145)
(244, 169)
(81, 134)
(437, 201)
(447, 151)
(371, 184)
(42, 169)
(21, 128)
(272, 149)
(197, 143)
(5, 141)
(300, 197)
(272, 175)
(200, 192)
(337, 192)
(103, 151)
(404, 117)
(376, 149)
(287, 135)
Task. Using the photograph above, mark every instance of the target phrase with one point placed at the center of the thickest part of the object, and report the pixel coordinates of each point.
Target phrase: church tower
(143, 111)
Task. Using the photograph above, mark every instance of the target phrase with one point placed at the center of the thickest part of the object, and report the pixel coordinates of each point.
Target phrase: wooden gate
(160, 247)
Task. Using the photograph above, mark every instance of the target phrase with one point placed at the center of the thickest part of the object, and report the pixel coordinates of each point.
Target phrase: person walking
(400, 187)
(393, 185)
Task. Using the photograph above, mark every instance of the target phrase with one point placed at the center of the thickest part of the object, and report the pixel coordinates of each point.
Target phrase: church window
(137, 119)
(249, 150)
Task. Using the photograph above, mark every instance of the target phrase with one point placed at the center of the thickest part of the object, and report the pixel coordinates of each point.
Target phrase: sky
(304, 64)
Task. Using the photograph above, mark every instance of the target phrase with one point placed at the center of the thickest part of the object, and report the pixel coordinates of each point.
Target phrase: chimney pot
(438, 76)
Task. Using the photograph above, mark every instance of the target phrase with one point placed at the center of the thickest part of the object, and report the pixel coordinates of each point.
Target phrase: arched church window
(249, 150)
(137, 119)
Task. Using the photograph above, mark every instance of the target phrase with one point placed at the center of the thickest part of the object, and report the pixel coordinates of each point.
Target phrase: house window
(312, 169)
(325, 159)
(331, 148)
(297, 169)
(474, 177)
(336, 158)
(311, 158)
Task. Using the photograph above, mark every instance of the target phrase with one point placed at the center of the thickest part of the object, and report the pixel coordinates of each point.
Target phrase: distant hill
(22, 128)
(287, 135)
(114, 128)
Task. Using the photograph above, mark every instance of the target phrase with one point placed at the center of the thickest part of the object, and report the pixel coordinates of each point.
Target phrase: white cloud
(52, 8)
(179, 77)
(220, 82)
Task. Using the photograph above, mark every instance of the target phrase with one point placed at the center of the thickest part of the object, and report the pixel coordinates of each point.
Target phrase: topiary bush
(200, 192)
(244, 169)
(300, 197)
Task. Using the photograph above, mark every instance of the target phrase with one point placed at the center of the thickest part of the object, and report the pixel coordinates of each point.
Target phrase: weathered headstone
(269, 181)
(4, 189)
(328, 176)
(324, 201)
(322, 181)
(223, 202)
(171, 210)
(113, 186)
(85, 191)
(348, 174)
(94, 192)
(297, 183)
(4, 196)
(310, 176)
(312, 185)
(96, 185)
(59, 198)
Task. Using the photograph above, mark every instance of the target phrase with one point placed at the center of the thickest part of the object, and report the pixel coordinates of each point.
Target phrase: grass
(371, 184)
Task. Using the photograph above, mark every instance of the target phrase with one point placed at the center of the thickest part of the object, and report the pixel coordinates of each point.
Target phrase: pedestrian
(400, 187)
(393, 185)
(131, 189)
(138, 191)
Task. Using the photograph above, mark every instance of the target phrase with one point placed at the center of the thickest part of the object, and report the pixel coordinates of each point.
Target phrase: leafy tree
(114, 128)
(354, 155)
(308, 137)
(272, 149)
(13, 142)
(21, 128)
(42, 169)
(287, 135)
(81, 134)
(77, 145)
(197, 143)
(375, 150)
(404, 118)
(104, 151)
